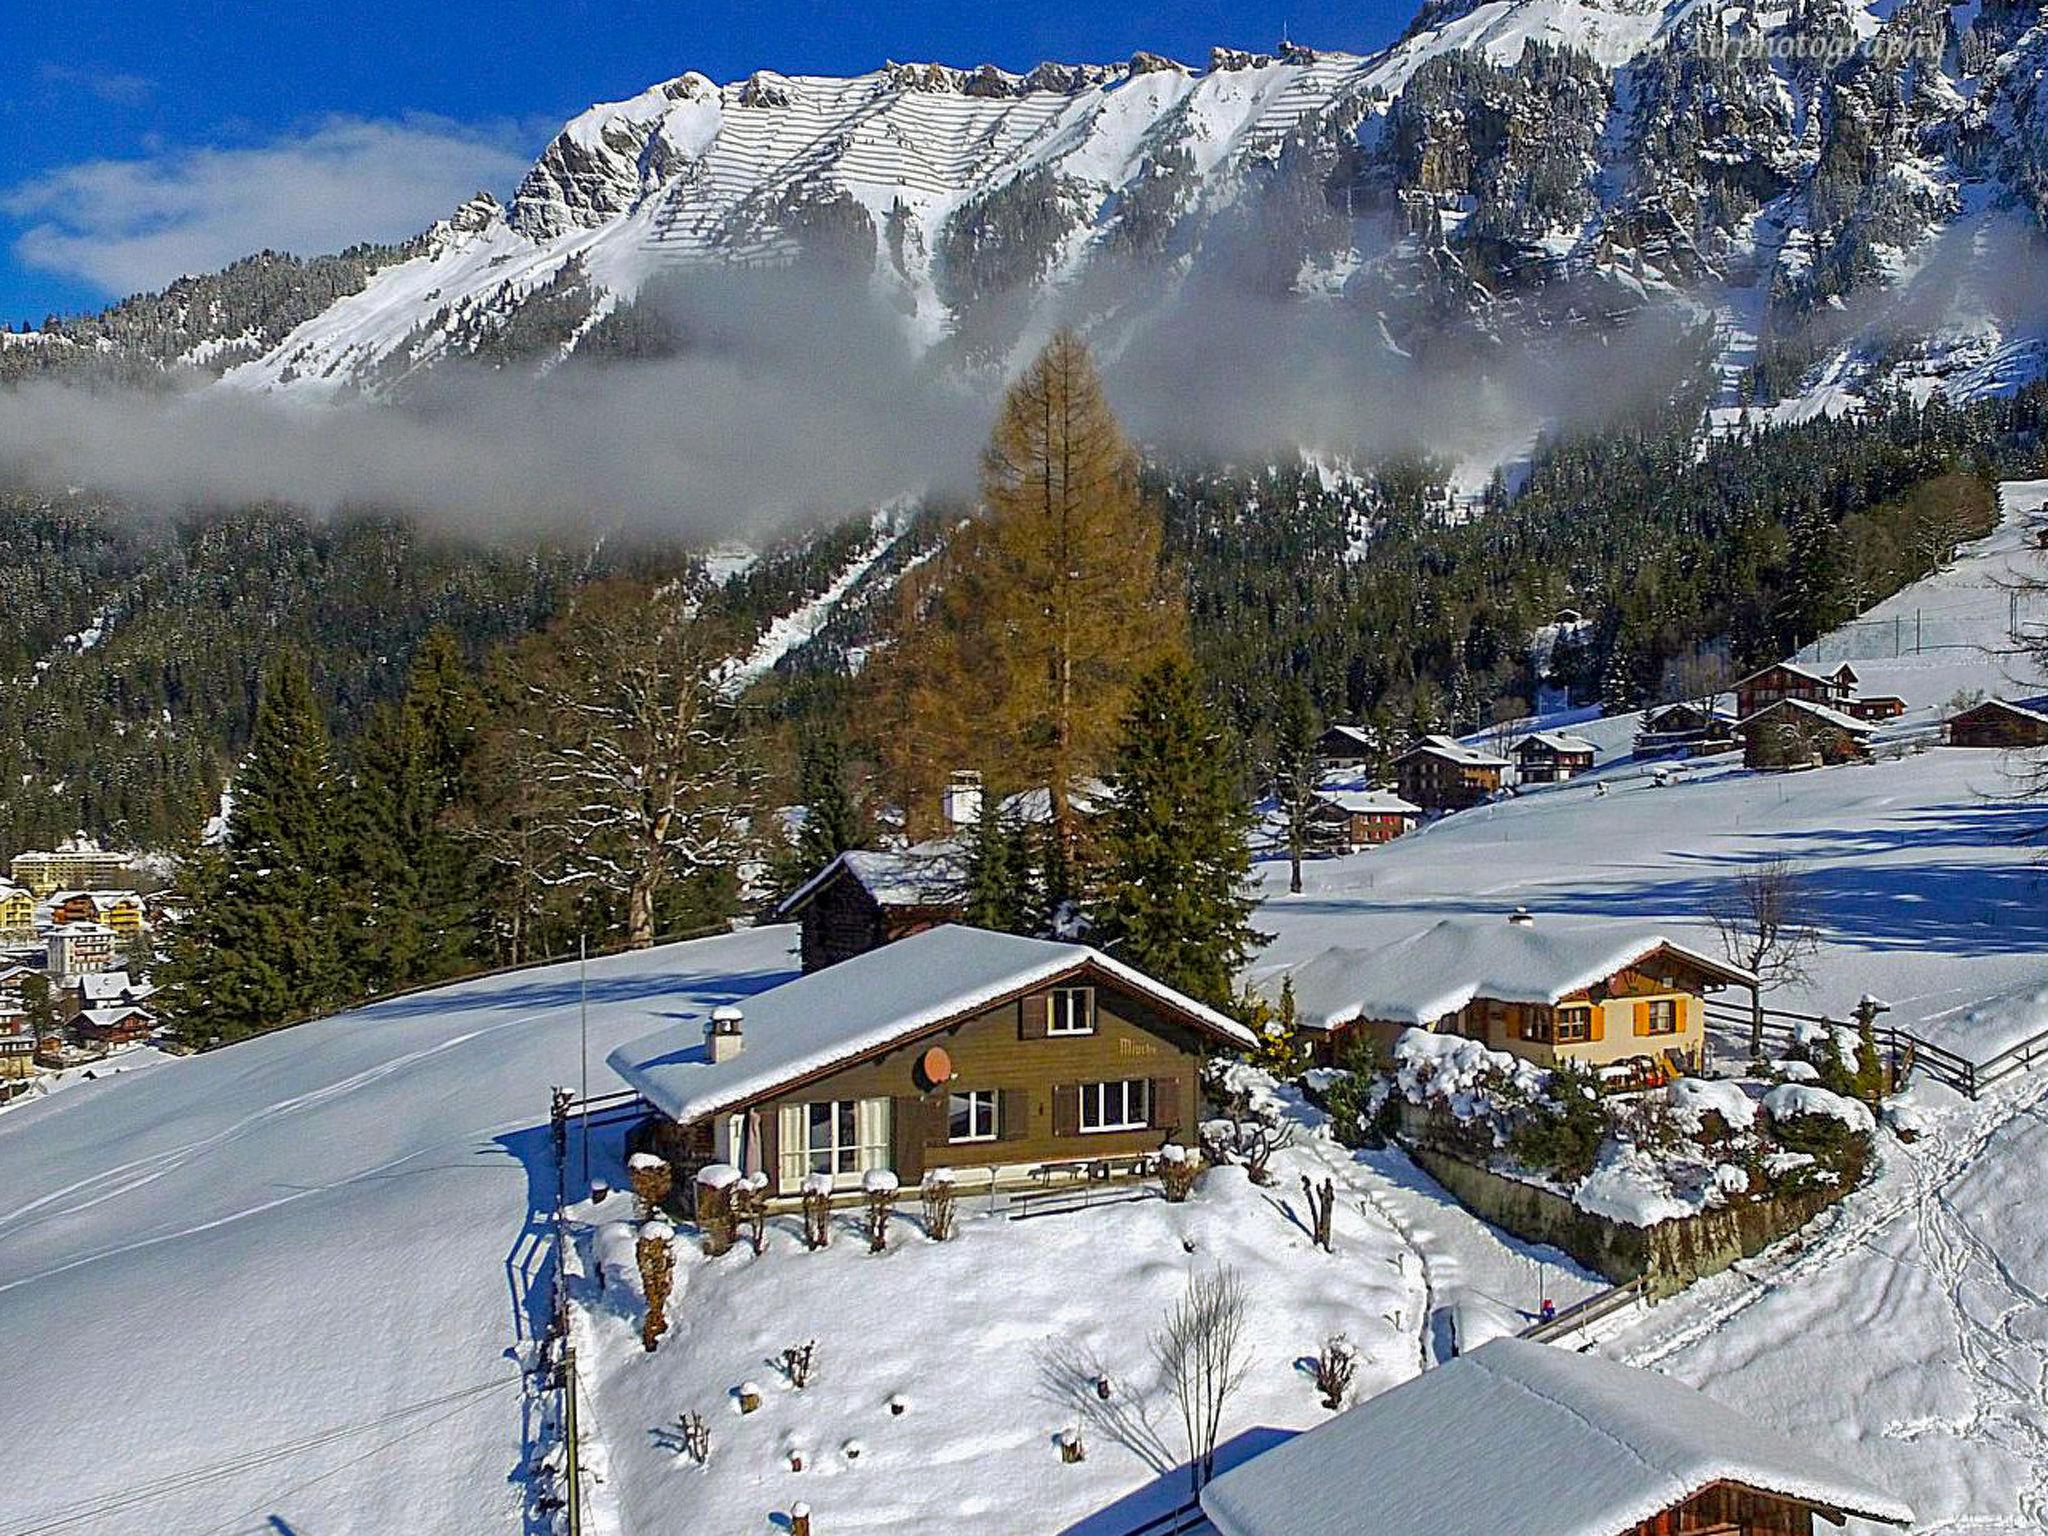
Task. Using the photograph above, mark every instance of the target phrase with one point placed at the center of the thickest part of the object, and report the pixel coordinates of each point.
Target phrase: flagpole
(583, 1004)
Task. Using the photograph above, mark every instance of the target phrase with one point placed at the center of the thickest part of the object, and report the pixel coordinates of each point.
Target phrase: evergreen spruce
(1175, 896)
(994, 883)
(832, 822)
(261, 943)
(1297, 772)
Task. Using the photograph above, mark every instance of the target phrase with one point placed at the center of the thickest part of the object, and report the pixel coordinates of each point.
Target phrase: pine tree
(1297, 771)
(260, 944)
(832, 822)
(1175, 896)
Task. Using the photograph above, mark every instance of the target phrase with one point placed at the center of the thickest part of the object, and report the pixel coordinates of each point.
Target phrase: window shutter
(764, 1124)
(792, 1144)
(907, 1150)
(1013, 1115)
(1642, 1018)
(1165, 1096)
(1031, 1016)
(932, 1114)
(1066, 1109)
(1596, 1027)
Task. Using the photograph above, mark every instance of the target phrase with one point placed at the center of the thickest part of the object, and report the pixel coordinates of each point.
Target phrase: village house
(866, 898)
(1788, 680)
(78, 948)
(1346, 746)
(955, 1047)
(2001, 723)
(17, 910)
(110, 989)
(1793, 734)
(112, 1027)
(121, 911)
(1350, 819)
(1595, 992)
(1440, 774)
(1874, 706)
(1684, 730)
(1528, 1439)
(14, 981)
(1551, 757)
(17, 1051)
(73, 865)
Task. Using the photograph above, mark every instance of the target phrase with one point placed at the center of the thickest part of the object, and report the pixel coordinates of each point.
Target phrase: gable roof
(1820, 712)
(1456, 751)
(1788, 666)
(1522, 1439)
(2027, 711)
(107, 1018)
(1353, 734)
(1420, 979)
(1365, 802)
(867, 1004)
(924, 875)
(1560, 742)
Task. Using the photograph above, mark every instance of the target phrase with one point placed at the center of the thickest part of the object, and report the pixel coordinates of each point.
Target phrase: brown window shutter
(1066, 1109)
(1642, 1018)
(935, 1110)
(1013, 1115)
(1166, 1104)
(1031, 1014)
(767, 1124)
(907, 1138)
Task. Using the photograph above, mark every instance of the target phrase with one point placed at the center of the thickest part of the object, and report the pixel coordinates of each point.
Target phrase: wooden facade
(842, 918)
(1875, 706)
(1438, 779)
(1783, 737)
(1729, 1509)
(1784, 680)
(1998, 724)
(1020, 1096)
(1539, 761)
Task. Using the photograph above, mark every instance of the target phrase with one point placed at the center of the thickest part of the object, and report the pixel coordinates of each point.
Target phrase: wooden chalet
(110, 1027)
(1347, 746)
(1793, 734)
(1598, 993)
(1440, 774)
(1684, 730)
(1524, 1439)
(1875, 707)
(1788, 680)
(1552, 757)
(1350, 818)
(2000, 723)
(955, 1047)
(866, 898)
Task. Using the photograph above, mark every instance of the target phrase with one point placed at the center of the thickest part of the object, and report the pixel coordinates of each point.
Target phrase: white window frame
(1057, 1026)
(981, 1103)
(850, 1155)
(1677, 1026)
(1130, 1093)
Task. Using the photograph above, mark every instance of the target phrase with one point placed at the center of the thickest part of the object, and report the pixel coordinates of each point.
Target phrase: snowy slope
(316, 1231)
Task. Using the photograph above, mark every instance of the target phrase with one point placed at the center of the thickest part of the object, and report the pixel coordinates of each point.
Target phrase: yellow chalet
(1597, 992)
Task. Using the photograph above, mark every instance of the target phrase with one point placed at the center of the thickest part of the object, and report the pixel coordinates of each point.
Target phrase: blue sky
(139, 140)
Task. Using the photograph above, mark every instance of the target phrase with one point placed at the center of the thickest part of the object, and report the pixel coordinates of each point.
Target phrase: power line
(140, 1494)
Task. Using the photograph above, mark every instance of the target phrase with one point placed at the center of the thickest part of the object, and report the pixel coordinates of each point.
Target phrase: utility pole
(583, 1043)
(574, 1504)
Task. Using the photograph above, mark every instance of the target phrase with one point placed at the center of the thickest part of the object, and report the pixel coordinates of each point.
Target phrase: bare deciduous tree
(636, 743)
(1765, 918)
(1204, 1360)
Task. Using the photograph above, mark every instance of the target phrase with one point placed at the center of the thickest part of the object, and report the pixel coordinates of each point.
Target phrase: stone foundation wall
(1672, 1254)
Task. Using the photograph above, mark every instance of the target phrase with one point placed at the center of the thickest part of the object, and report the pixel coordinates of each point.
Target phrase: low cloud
(125, 225)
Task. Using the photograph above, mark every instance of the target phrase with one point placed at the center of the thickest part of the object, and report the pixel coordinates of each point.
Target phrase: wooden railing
(1903, 1050)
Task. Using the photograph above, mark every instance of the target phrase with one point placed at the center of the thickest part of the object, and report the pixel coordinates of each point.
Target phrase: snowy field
(284, 1287)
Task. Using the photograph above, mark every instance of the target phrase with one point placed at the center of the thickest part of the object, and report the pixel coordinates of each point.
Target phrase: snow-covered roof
(1356, 735)
(110, 986)
(1523, 1439)
(925, 875)
(106, 1018)
(1420, 979)
(1456, 751)
(1651, 717)
(866, 1004)
(1795, 669)
(1366, 802)
(2030, 710)
(1557, 741)
(1820, 712)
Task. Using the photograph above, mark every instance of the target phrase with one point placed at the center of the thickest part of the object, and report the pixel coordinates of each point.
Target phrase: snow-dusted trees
(1297, 772)
(641, 773)
(1203, 1360)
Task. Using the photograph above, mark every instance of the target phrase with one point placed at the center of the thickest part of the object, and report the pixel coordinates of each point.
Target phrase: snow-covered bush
(878, 1188)
(1336, 1365)
(1830, 1130)
(1178, 1169)
(1357, 1096)
(796, 1363)
(1482, 1091)
(750, 1209)
(1560, 1132)
(651, 1178)
(817, 1204)
(715, 1183)
(940, 1203)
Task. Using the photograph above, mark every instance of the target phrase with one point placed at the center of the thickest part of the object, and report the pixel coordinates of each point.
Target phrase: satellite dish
(935, 1066)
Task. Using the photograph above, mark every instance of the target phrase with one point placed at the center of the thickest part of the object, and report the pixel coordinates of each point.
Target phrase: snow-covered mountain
(1506, 168)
